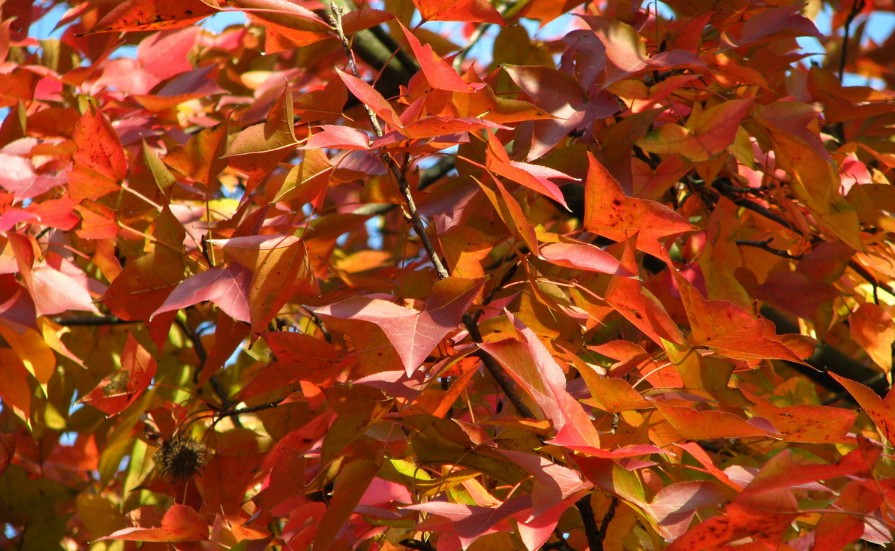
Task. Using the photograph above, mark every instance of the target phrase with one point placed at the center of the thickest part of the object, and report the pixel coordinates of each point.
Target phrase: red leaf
(413, 333)
(121, 389)
(148, 15)
(736, 333)
(228, 288)
(7, 450)
(439, 74)
(180, 523)
(534, 369)
(458, 10)
(100, 163)
(371, 98)
(880, 411)
(280, 269)
(531, 176)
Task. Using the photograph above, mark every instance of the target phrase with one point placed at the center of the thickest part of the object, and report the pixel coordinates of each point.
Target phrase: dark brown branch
(92, 321)
(753, 206)
(248, 409)
(202, 356)
(765, 246)
(607, 518)
(595, 535)
(826, 360)
(856, 8)
(416, 221)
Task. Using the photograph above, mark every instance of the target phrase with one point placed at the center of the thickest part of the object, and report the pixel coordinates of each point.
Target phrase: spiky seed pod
(181, 458)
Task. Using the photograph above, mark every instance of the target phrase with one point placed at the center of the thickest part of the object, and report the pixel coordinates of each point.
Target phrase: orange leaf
(881, 411)
(152, 15)
(180, 523)
(608, 212)
(458, 10)
(872, 327)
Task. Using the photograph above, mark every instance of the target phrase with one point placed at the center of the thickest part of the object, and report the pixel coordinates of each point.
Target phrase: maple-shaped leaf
(534, 177)
(534, 369)
(814, 178)
(674, 506)
(707, 425)
(559, 94)
(880, 410)
(20, 177)
(55, 284)
(99, 163)
(872, 327)
(626, 50)
(180, 523)
(552, 482)
(466, 523)
(276, 133)
(227, 287)
(438, 72)
(458, 10)
(610, 213)
(371, 98)
(735, 332)
(413, 333)
(280, 269)
(152, 15)
(122, 388)
(707, 133)
(770, 22)
(200, 157)
(806, 423)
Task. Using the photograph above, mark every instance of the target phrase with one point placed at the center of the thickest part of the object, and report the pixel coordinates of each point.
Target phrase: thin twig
(754, 207)
(91, 321)
(856, 8)
(491, 365)
(591, 532)
(202, 356)
(607, 518)
(765, 246)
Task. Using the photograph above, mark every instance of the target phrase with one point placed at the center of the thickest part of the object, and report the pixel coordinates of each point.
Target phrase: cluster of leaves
(330, 279)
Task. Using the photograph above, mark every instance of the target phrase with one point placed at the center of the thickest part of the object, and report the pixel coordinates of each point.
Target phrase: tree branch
(595, 536)
(765, 246)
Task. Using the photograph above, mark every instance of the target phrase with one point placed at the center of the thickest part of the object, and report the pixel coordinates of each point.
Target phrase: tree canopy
(446, 274)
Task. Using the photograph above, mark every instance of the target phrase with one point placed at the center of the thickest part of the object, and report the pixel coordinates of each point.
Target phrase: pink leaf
(534, 369)
(413, 333)
(581, 256)
(227, 287)
(339, 137)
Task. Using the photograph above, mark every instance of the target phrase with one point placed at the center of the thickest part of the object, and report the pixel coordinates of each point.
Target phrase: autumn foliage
(427, 274)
